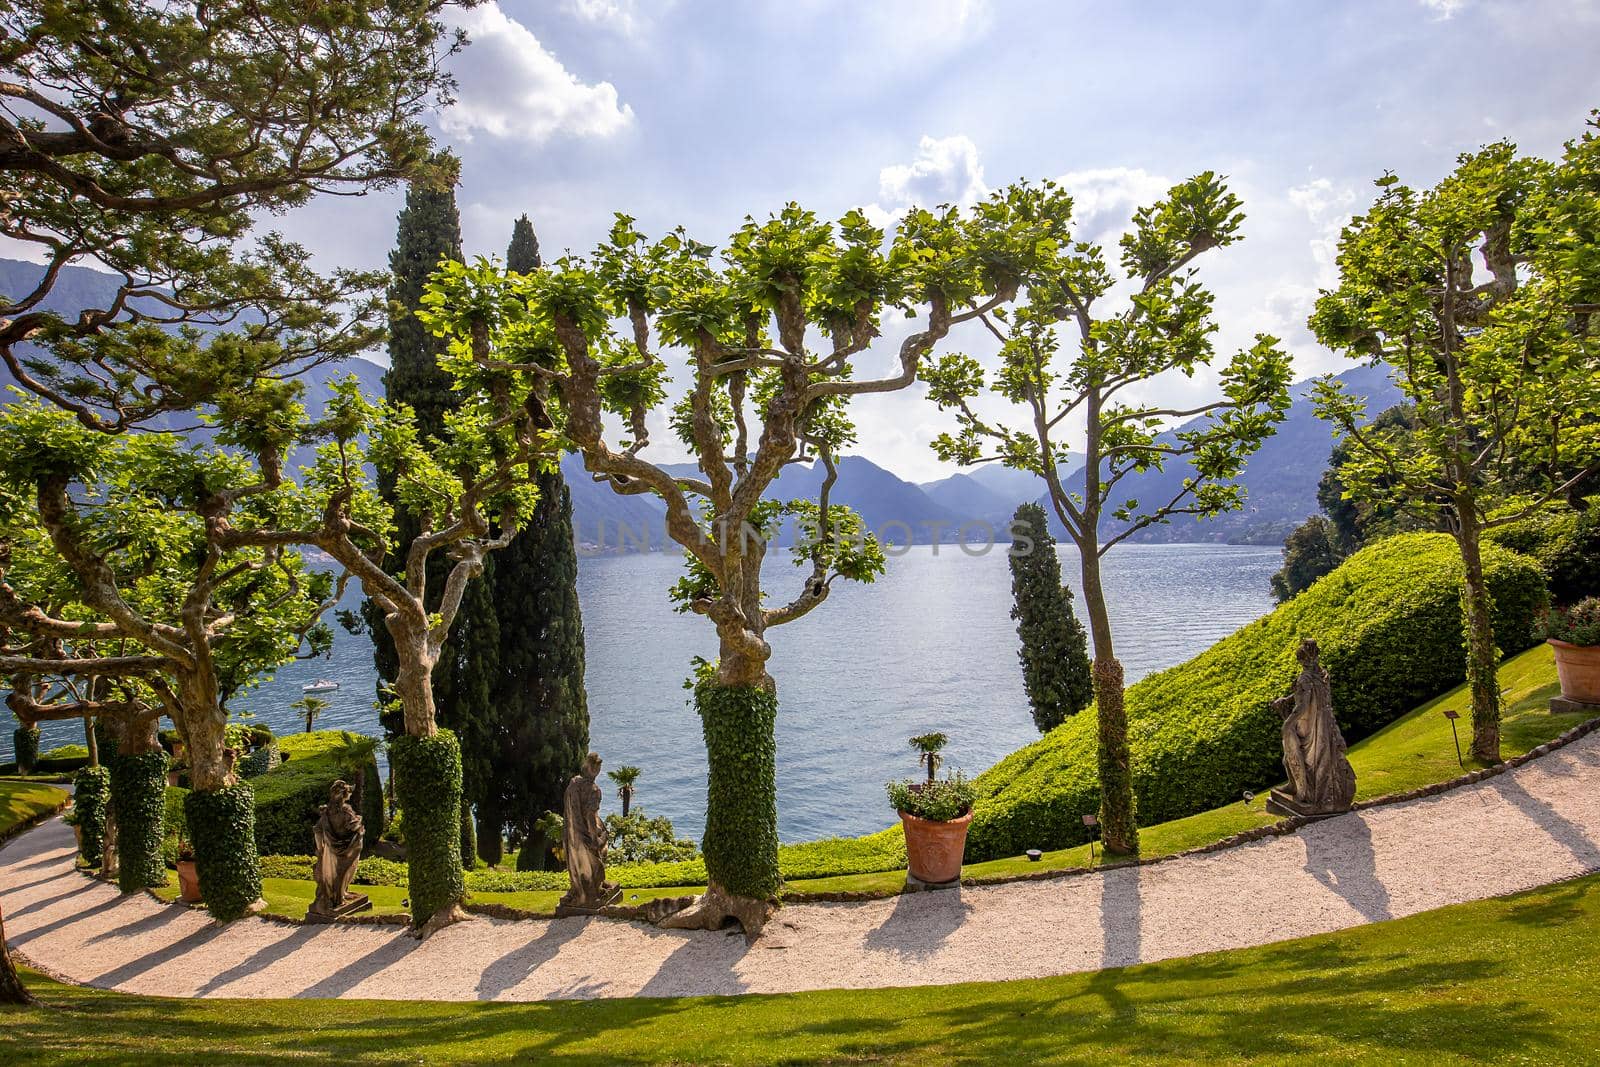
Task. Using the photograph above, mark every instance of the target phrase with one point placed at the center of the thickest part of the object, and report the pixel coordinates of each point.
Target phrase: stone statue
(339, 833)
(583, 839)
(1321, 780)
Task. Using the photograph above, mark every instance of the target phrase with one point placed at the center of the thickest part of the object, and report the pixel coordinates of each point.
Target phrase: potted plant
(188, 877)
(935, 813)
(1574, 634)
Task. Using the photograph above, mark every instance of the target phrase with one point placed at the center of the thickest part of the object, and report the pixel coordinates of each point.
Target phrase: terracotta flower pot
(188, 883)
(934, 849)
(1578, 667)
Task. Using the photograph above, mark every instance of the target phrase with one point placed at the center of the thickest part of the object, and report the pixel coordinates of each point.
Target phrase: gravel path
(1537, 824)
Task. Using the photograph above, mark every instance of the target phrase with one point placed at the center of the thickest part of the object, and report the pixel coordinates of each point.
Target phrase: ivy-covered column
(91, 799)
(222, 829)
(138, 802)
(427, 782)
(741, 838)
(25, 743)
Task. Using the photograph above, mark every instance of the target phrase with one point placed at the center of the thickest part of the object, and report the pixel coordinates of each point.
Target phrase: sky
(701, 113)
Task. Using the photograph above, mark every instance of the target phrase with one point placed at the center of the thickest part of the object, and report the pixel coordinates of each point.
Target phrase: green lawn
(24, 800)
(1498, 981)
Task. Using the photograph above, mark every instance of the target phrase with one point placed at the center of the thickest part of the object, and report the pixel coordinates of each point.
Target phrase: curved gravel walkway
(1533, 825)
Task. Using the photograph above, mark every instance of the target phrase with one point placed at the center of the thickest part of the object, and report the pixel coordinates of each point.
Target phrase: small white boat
(321, 685)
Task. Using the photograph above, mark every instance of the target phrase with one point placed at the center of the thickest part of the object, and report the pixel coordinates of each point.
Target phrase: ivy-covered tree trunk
(222, 829)
(427, 781)
(491, 835)
(1483, 657)
(25, 743)
(138, 803)
(91, 797)
(468, 847)
(12, 991)
(1119, 828)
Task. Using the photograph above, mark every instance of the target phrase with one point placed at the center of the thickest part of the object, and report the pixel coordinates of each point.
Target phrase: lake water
(929, 646)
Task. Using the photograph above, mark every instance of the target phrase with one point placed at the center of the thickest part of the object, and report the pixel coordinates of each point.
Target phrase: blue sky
(700, 113)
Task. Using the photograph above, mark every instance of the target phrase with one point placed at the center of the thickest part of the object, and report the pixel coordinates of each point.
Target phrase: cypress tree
(1055, 649)
(429, 230)
(540, 699)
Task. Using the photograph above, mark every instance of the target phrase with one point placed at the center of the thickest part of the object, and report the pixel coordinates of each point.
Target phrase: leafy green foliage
(1389, 625)
(1567, 545)
(639, 838)
(1309, 552)
(91, 799)
(1055, 648)
(221, 827)
(288, 797)
(938, 800)
(741, 837)
(261, 761)
(1577, 625)
(138, 802)
(427, 782)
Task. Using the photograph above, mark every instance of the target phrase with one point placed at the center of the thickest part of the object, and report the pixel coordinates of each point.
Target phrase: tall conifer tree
(430, 230)
(1055, 648)
(543, 712)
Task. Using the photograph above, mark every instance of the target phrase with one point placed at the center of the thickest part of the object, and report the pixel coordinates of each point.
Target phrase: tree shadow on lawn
(1554, 904)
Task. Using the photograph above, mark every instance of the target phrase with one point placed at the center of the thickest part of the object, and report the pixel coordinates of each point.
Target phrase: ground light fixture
(1453, 716)
(1092, 822)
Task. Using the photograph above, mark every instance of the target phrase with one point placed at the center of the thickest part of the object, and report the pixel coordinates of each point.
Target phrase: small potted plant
(188, 877)
(935, 813)
(1574, 635)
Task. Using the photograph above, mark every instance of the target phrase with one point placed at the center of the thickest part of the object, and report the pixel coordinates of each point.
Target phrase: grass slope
(24, 800)
(1507, 980)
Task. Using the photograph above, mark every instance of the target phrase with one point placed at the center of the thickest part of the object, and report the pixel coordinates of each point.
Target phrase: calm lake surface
(929, 646)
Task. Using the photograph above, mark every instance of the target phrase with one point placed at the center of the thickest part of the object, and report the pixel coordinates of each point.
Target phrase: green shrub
(138, 799)
(222, 832)
(262, 760)
(1566, 544)
(65, 752)
(91, 797)
(638, 838)
(289, 796)
(427, 781)
(741, 838)
(25, 743)
(940, 800)
(1389, 625)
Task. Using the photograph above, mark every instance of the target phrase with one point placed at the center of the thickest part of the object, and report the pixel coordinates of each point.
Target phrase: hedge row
(1389, 625)
(1567, 546)
(289, 796)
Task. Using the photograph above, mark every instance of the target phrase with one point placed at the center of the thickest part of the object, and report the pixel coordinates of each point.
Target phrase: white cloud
(946, 171)
(1104, 200)
(1328, 208)
(624, 17)
(1444, 9)
(510, 86)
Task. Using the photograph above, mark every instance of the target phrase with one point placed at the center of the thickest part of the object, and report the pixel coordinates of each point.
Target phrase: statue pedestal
(1563, 706)
(1281, 803)
(354, 903)
(564, 910)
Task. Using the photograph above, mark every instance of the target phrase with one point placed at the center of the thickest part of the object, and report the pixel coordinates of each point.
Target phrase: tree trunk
(12, 991)
(469, 836)
(627, 799)
(90, 741)
(491, 836)
(1483, 659)
(739, 722)
(1119, 828)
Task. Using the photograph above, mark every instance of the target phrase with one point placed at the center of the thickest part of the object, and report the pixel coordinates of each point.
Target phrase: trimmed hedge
(25, 743)
(1390, 629)
(138, 799)
(741, 839)
(427, 782)
(260, 761)
(1567, 546)
(222, 830)
(289, 796)
(91, 798)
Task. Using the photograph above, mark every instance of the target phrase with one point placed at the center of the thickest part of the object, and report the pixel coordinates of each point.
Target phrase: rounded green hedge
(91, 797)
(25, 743)
(427, 782)
(222, 831)
(740, 846)
(289, 796)
(1390, 629)
(1566, 545)
(138, 799)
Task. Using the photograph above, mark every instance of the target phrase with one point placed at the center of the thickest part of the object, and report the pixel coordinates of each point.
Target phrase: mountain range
(1280, 479)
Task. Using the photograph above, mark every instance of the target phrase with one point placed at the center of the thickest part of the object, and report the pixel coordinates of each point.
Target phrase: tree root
(712, 910)
(448, 916)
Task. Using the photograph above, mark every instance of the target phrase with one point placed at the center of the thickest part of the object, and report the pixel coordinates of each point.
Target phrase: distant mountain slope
(1280, 479)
